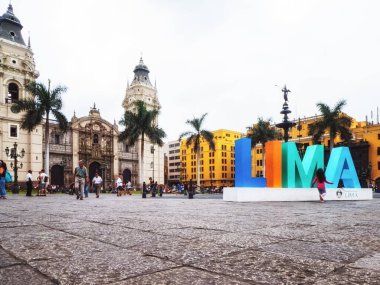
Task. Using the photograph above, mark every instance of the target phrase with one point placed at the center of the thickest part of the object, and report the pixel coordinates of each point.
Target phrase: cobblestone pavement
(129, 240)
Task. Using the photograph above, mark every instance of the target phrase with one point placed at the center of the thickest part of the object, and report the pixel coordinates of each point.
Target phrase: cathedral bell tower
(17, 69)
(142, 89)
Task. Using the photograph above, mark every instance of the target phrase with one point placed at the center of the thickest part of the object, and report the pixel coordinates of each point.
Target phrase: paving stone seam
(147, 274)
(223, 274)
(132, 247)
(25, 263)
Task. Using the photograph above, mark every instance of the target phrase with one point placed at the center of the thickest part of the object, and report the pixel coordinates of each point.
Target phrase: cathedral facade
(90, 138)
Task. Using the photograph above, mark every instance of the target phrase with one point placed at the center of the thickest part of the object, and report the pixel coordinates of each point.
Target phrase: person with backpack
(3, 171)
(80, 179)
(43, 179)
(320, 178)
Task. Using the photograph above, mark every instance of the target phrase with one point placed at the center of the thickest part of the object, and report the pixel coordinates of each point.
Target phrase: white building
(172, 150)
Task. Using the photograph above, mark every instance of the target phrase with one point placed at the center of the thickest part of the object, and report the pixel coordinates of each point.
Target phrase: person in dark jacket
(144, 190)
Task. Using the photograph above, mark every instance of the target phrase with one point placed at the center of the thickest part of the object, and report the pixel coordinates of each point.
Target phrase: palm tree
(333, 121)
(138, 125)
(194, 138)
(261, 132)
(42, 104)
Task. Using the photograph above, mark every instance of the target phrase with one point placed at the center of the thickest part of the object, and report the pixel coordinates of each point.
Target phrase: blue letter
(297, 174)
(341, 166)
(243, 166)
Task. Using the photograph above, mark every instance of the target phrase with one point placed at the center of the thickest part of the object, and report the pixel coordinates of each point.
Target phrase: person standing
(160, 190)
(80, 179)
(119, 185)
(320, 178)
(29, 183)
(154, 188)
(144, 190)
(97, 183)
(3, 171)
(43, 180)
(191, 189)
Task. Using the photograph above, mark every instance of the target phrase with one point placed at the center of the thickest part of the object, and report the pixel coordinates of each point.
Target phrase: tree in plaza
(261, 132)
(141, 124)
(42, 104)
(193, 138)
(333, 121)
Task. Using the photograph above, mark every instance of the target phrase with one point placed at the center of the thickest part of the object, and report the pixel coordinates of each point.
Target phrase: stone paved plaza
(174, 240)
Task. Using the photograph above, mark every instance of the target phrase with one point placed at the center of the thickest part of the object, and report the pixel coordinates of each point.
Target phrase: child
(320, 178)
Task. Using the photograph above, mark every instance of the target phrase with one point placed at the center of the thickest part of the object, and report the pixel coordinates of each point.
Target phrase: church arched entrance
(94, 166)
(127, 175)
(57, 176)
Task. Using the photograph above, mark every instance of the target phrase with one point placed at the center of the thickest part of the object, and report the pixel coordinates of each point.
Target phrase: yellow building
(217, 168)
(365, 146)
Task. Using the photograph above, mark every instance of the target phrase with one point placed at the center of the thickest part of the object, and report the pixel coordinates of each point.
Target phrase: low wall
(248, 194)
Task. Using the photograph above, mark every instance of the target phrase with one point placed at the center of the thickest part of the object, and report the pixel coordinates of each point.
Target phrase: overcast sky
(215, 56)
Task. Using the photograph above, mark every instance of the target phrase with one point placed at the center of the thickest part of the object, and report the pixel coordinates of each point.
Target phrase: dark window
(13, 131)
(13, 91)
(56, 139)
(95, 138)
(378, 151)
(378, 136)
(378, 165)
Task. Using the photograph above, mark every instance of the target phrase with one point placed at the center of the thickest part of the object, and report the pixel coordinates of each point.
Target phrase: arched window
(95, 138)
(13, 91)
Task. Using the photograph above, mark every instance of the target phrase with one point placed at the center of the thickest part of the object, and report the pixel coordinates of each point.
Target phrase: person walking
(320, 179)
(97, 183)
(3, 171)
(29, 183)
(129, 187)
(80, 179)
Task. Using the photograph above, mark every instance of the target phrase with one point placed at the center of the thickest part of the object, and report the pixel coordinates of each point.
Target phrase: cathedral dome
(10, 27)
(10, 16)
(141, 72)
(141, 67)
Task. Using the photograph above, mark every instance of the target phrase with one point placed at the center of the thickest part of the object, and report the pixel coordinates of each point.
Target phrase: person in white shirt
(97, 183)
(29, 183)
(119, 185)
(129, 188)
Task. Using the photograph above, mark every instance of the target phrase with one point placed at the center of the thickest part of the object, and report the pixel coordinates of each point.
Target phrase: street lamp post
(152, 152)
(12, 153)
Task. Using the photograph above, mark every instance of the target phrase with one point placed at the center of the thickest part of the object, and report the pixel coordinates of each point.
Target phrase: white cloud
(220, 57)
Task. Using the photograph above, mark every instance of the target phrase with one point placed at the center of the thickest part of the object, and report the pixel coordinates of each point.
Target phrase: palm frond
(62, 120)
(209, 137)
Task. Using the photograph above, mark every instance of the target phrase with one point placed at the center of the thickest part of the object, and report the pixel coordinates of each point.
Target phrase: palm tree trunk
(142, 160)
(263, 160)
(47, 145)
(198, 168)
(331, 143)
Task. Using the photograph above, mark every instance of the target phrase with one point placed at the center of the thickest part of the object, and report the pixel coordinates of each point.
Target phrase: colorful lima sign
(285, 169)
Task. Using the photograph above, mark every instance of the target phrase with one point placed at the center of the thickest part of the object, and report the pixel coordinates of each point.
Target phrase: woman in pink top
(320, 178)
